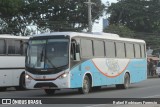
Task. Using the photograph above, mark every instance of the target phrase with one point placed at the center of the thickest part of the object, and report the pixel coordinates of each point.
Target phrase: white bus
(12, 61)
(84, 61)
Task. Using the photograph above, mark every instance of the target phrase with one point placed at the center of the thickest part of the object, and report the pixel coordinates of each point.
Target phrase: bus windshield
(47, 54)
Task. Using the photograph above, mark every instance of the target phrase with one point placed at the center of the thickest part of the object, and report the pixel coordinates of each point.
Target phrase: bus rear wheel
(126, 82)
(86, 86)
(50, 91)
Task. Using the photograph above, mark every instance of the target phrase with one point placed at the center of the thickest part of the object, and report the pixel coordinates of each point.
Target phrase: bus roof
(13, 36)
(91, 35)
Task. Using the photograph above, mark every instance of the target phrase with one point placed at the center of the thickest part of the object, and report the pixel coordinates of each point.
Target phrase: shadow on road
(74, 92)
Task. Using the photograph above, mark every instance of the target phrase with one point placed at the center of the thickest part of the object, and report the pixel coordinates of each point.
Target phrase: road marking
(153, 96)
(149, 87)
(6, 93)
(4, 105)
(99, 105)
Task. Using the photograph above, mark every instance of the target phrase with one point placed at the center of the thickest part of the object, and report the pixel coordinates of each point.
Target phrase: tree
(62, 15)
(138, 15)
(121, 30)
(11, 17)
(55, 15)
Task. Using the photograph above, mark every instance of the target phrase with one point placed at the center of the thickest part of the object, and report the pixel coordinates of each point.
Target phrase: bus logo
(44, 77)
(6, 101)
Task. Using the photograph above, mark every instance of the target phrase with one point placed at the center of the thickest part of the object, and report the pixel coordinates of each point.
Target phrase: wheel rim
(127, 82)
(86, 85)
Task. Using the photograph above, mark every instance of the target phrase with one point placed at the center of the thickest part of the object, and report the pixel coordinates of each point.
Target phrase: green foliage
(121, 30)
(12, 19)
(10, 8)
(138, 15)
(55, 15)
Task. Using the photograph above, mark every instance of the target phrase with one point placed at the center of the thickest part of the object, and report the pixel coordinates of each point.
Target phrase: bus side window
(24, 47)
(75, 51)
(2, 47)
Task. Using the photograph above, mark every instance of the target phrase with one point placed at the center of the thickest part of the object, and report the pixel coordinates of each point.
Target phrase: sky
(97, 26)
(113, 1)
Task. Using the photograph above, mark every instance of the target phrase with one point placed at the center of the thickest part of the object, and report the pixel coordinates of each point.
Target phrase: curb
(155, 76)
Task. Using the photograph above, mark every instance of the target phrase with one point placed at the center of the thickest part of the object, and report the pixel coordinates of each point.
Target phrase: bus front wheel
(126, 82)
(21, 82)
(49, 91)
(86, 86)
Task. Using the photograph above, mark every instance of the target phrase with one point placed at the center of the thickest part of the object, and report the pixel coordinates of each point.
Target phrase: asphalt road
(147, 89)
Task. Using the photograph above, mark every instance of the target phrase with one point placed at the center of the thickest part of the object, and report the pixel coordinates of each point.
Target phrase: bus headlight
(28, 77)
(64, 75)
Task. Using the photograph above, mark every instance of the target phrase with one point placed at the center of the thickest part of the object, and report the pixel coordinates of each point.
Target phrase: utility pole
(89, 3)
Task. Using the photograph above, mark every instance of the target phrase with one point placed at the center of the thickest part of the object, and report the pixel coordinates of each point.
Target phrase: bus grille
(46, 84)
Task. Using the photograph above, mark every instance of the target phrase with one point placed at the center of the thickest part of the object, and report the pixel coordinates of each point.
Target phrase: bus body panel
(12, 59)
(113, 75)
(11, 69)
(54, 78)
(135, 67)
(104, 70)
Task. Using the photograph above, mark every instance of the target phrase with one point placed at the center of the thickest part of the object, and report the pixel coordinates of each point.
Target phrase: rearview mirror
(77, 57)
(77, 48)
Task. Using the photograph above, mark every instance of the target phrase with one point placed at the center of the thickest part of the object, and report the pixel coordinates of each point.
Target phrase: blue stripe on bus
(137, 69)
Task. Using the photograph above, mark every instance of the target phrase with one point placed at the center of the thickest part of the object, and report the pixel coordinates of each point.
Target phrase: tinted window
(129, 50)
(18, 47)
(24, 48)
(14, 47)
(2, 47)
(86, 48)
(120, 50)
(98, 48)
(143, 51)
(137, 51)
(110, 49)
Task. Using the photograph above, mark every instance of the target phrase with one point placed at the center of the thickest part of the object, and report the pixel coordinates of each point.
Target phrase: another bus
(12, 61)
(84, 61)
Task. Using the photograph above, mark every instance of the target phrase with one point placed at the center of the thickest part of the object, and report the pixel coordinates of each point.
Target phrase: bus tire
(126, 82)
(49, 91)
(21, 82)
(3, 88)
(86, 85)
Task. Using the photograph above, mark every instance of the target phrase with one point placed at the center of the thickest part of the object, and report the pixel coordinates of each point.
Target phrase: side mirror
(77, 48)
(77, 52)
(77, 57)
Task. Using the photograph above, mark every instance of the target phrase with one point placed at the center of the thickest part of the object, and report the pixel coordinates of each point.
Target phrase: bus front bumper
(61, 82)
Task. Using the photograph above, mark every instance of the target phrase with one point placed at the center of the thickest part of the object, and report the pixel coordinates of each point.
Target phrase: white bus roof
(92, 35)
(13, 37)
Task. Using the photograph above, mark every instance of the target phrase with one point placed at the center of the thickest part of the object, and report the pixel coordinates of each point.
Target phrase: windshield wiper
(51, 63)
(57, 68)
